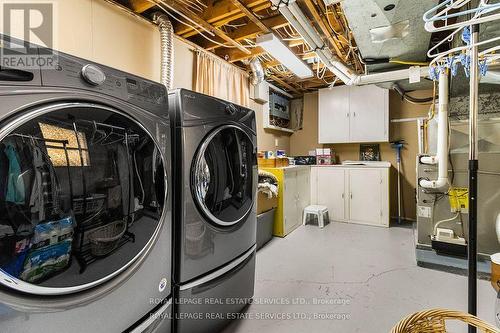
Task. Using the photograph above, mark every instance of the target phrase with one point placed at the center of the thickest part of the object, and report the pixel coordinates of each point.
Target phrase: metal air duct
(167, 49)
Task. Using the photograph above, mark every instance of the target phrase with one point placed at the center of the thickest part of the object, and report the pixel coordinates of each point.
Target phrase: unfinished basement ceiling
(352, 29)
(232, 27)
(394, 33)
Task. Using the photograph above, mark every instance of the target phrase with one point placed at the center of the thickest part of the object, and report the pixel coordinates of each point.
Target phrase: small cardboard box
(264, 203)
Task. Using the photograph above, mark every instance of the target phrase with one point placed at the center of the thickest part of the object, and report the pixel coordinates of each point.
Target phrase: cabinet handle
(350, 195)
(342, 195)
(354, 113)
(347, 115)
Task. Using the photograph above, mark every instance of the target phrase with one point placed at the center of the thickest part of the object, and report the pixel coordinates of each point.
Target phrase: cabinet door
(365, 196)
(369, 113)
(330, 191)
(333, 115)
(290, 218)
(303, 191)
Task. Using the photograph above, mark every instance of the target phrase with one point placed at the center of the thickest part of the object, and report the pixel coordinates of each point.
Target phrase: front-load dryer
(85, 213)
(215, 178)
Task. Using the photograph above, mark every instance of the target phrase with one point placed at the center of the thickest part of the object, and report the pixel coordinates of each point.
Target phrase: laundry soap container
(267, 201)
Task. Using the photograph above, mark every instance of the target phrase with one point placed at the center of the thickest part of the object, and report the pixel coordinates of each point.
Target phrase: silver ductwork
(257, 71)
(167, 49)
(294, 15)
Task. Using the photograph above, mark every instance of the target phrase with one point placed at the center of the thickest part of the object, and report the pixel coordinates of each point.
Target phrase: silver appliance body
(215, 179)
(434, 206)
(127, 289)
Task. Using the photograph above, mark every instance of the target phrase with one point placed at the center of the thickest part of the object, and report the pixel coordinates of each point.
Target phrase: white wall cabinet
(352, 194)
(353, 114)
(333, 117)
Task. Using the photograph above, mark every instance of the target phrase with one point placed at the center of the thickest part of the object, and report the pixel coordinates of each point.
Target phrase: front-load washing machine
(85, 213)
(215, 178)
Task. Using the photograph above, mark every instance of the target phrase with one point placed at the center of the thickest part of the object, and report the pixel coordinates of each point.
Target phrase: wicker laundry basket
(105, 239)
(434, 321)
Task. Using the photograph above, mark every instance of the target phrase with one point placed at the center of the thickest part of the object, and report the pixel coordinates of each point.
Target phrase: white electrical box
(261, 92)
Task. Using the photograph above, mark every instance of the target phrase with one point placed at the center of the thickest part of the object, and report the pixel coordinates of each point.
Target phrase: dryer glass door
(82, 188)
(223, 176)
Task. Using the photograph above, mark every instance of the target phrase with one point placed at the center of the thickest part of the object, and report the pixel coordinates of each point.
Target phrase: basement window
(56, 151)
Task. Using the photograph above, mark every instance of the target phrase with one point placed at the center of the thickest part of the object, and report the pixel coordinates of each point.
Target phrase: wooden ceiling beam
(244, 9)
(248, 31)
(284, 84)
(319, 19)
(234, 55)
(292, 81)
(271, 64)
(193, 16)
(140, 6)
(222, 10)
(228, 19)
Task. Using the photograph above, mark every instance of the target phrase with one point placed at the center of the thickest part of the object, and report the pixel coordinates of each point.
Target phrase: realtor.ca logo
(28, 29)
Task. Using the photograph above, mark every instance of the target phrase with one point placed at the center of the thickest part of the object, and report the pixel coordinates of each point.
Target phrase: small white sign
(414, 74)
(424, 211)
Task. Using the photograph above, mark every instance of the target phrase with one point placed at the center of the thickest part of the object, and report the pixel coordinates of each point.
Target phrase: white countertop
(358, 164)
(377, 164)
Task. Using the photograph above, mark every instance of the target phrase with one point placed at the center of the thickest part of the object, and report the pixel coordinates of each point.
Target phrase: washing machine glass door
(222, 175)
(82, 188)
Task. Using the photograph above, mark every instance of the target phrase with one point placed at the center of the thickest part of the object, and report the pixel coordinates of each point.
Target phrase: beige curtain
(217, 78)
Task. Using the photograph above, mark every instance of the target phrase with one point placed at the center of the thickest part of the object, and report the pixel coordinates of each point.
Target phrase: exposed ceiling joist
(234, 55)
(326, 31)
(140, 6)
(249, 31)
(223, 10)
(251, 15)
(193, 16)
(284, 84)
(270, 64)
(229, 19)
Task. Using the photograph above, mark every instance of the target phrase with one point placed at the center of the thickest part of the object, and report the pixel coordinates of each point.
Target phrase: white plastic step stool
(317, 212)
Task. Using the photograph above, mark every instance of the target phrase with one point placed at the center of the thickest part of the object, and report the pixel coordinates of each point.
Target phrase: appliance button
(93, 75)
(231, 109)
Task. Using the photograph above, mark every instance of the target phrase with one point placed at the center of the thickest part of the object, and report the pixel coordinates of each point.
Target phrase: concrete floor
(370, 270)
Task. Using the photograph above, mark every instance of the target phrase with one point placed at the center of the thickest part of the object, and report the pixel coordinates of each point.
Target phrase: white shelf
(276, 128)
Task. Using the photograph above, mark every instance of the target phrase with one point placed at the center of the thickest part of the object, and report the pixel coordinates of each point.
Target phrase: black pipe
(473, 186)
(472, 246)
(409, 98)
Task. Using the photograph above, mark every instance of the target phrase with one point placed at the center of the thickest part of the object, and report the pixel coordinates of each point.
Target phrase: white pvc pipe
(294, 15)
(441, 158)
(396, 75)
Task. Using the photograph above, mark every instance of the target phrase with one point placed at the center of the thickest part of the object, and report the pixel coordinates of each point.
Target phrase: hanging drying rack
(450, 59)
(441, 13)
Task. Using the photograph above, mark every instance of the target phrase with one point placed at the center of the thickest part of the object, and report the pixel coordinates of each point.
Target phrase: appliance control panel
(73, 72)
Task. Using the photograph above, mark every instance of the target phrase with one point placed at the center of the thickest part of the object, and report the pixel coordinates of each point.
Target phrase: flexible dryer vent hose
(167, 49)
